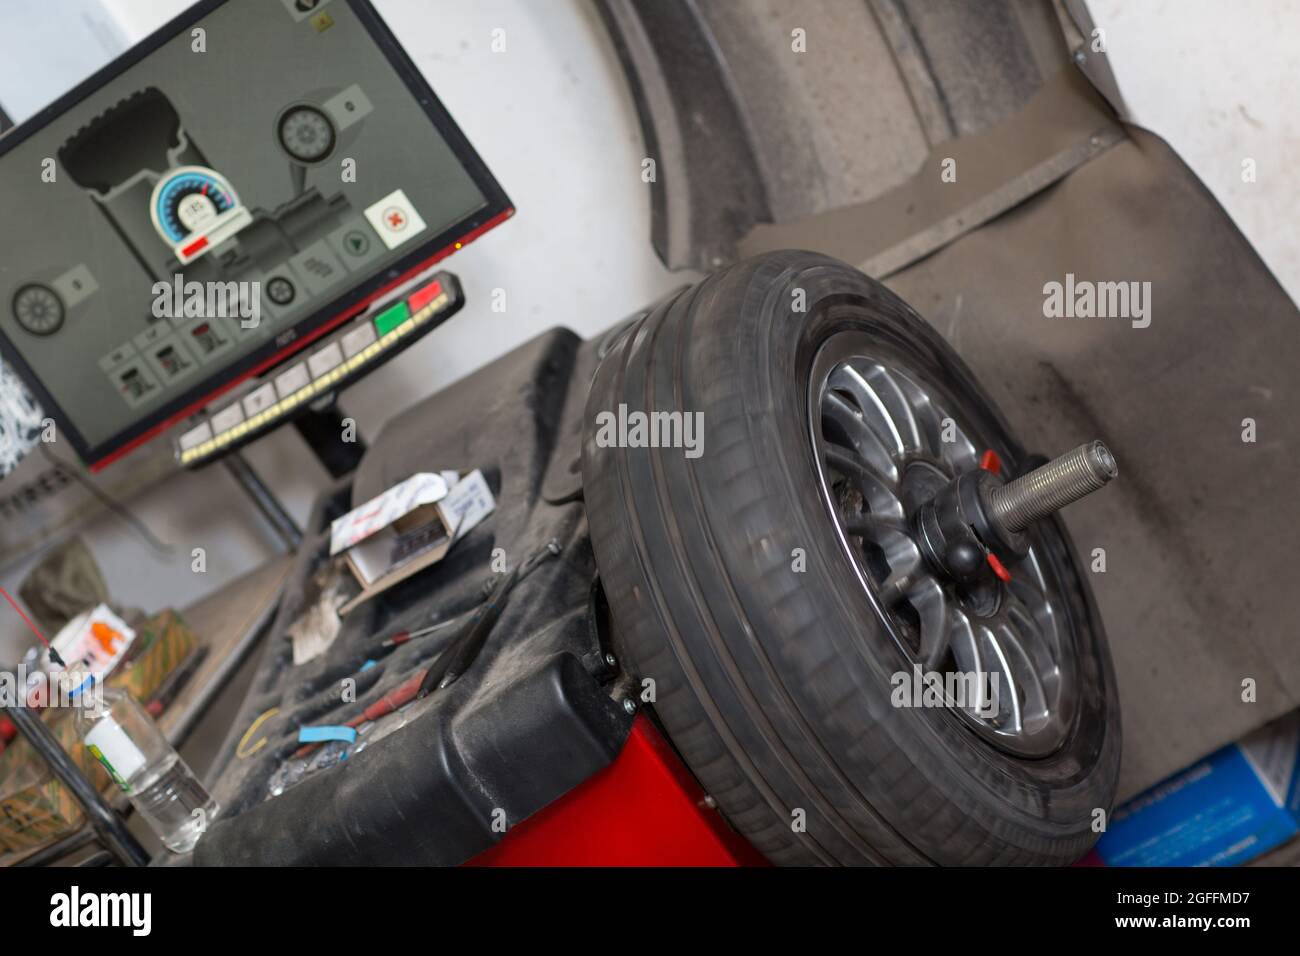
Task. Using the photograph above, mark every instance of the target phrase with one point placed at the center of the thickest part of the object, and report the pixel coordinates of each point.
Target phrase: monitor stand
(321, 427)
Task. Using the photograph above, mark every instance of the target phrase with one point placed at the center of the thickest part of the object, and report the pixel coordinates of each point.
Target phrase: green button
(391, 318)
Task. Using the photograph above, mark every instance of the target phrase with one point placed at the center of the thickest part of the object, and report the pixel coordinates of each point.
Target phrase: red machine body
(644, 809)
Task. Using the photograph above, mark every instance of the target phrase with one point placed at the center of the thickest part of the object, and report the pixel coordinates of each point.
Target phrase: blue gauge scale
(188, 199)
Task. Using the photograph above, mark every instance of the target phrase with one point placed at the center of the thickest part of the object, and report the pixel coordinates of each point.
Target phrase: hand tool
(462, 651)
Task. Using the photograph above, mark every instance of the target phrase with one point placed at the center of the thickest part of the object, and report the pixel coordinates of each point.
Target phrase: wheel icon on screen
(38, 309)
(306, 134)
(280, 290)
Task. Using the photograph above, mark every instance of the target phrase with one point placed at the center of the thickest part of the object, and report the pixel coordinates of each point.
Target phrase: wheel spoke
(928, 420)
(892, 538)
(893, 591)
(1031, 606)
(873, 527)
(1033, 707)
(1041, 651)
(927, 597)
(885, 385)
(969, 656)
(959, 454)
(862, 437)
(1008, 690)
(879, 495)
(876, 411)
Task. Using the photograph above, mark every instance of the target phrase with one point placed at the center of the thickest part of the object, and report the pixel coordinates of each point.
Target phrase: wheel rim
(885, 441)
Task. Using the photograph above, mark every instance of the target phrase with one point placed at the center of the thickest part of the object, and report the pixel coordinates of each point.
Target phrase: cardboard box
(163, 643)
(408, 528)
(35, 808)
(1237, 803)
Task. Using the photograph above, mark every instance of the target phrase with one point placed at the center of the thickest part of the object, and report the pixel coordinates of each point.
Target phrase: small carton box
(408, 528)
(1237, 803)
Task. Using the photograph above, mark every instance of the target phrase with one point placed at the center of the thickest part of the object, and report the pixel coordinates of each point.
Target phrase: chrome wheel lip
(1025, 638)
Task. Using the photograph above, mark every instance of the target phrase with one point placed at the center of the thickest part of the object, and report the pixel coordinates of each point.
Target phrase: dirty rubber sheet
(1200, 529)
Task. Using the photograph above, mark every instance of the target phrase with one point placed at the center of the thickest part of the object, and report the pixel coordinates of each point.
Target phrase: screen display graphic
(246, 175)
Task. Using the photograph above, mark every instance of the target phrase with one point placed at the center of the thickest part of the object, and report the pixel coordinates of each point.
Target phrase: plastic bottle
(124, 738)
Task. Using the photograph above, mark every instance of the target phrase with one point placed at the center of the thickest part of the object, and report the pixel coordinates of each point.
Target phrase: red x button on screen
(395, 219)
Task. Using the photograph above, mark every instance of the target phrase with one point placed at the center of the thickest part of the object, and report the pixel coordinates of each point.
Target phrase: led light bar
(333, 363)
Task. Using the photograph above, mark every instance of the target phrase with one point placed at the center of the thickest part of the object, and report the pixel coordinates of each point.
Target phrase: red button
(422, 297)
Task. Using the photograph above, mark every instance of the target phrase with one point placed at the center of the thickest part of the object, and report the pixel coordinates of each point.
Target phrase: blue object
(366, 666)
(1224, 810)
(316, 735)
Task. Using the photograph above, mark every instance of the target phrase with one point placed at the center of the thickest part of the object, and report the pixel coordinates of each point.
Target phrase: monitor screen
(248, 177)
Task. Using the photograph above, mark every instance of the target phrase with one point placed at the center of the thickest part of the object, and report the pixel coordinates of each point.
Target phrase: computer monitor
(243, 181)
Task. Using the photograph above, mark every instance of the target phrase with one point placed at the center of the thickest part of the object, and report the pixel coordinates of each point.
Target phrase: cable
(109, 502)
(54, 655)
(242, 750)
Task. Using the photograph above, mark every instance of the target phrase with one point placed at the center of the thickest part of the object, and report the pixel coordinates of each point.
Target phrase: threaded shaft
(1048, 489)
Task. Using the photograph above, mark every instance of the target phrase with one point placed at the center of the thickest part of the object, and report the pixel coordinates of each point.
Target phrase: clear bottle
(124, 738)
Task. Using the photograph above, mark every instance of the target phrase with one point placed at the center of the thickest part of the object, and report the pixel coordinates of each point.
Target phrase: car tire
(770, 667)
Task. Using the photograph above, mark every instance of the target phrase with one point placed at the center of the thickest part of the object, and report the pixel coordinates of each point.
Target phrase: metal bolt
(610, 660)
(1048, 489)
(629, 705)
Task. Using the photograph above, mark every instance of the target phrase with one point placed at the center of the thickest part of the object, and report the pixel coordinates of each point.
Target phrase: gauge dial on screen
(188, 200)
(306, 133)
(38, 309)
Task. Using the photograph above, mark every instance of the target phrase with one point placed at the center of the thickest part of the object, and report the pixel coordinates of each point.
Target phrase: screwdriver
(461, 652)
(402, 637)
(457, 656)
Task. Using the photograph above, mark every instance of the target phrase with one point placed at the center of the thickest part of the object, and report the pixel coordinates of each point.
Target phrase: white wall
(138, 18)
(1220, 81)
(49, 46)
